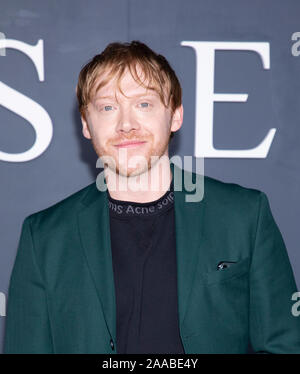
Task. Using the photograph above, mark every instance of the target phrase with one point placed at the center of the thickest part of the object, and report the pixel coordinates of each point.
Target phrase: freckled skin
(111, 121)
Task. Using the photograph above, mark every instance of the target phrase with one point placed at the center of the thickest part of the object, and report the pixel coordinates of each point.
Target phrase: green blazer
(61, 296)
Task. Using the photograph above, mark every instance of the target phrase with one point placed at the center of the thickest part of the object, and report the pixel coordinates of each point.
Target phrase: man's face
(112, 120)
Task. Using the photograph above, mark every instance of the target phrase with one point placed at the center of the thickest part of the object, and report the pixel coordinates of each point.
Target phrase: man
(143, 270)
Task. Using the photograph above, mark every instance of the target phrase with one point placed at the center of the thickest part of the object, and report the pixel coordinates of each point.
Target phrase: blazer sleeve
(27, 328)
(273, 327)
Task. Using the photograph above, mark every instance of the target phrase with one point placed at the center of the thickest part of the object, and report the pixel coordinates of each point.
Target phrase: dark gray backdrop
(73, 31)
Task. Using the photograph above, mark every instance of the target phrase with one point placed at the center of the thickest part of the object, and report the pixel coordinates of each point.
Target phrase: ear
(177, 119)
(85, 128)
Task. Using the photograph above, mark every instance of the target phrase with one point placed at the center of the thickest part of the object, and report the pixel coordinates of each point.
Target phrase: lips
(130, 143)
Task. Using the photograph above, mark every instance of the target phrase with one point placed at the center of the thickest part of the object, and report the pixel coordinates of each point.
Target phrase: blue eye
(145, 105)
(107, 106)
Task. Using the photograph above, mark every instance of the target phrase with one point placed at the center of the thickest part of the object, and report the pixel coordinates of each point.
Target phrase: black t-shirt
(144, 265)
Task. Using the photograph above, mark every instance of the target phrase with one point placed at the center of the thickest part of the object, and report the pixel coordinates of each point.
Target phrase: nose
(127, 121)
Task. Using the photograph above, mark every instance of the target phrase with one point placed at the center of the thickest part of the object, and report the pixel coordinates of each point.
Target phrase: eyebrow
(133, 96)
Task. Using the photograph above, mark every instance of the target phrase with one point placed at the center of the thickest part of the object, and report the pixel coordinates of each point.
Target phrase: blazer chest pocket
(235, 270)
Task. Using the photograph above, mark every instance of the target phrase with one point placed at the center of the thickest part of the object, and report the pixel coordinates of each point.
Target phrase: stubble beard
(150, 156)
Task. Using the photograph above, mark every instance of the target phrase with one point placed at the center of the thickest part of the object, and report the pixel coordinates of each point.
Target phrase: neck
(145, 187)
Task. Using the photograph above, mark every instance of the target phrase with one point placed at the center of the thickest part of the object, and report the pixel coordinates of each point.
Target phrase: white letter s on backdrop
(25, 107)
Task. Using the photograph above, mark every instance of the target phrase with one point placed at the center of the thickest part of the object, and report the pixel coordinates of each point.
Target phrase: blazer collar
(94, 229)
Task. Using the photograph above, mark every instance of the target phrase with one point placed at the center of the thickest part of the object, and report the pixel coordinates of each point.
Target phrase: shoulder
(62, 210)
(215, 188)
(233, 206)
(232, 201)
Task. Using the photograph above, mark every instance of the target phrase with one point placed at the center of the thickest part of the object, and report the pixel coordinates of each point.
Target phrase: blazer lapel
(188, 226)
(94, 228)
